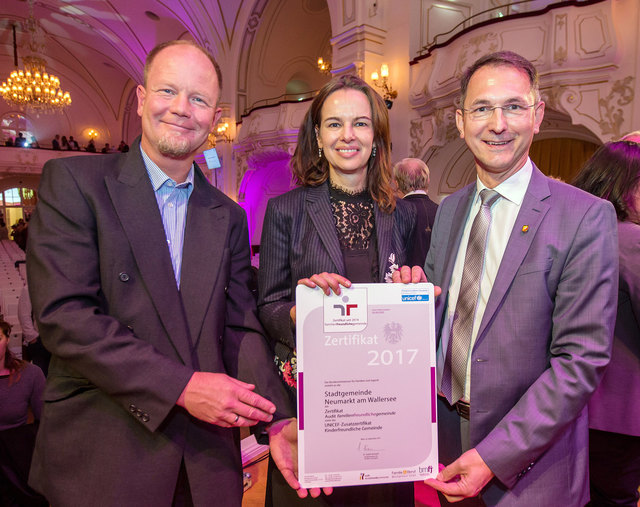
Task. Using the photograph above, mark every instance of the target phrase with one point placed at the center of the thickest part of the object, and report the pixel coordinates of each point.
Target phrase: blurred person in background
(613, 173)
(412, 178)
(21, 386)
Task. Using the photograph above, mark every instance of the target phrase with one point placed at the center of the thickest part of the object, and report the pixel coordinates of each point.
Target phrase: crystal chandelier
(33, 87)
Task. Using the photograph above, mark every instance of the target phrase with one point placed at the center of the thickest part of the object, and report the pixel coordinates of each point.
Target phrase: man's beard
(174, 146)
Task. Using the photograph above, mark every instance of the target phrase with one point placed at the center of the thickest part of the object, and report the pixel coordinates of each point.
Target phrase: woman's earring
(319, 152)
(373, 151)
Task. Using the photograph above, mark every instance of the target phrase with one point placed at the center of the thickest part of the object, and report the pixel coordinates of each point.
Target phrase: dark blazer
(614, 407)
(543, 343)
(299, 239)
(125, 341)
(425, 217)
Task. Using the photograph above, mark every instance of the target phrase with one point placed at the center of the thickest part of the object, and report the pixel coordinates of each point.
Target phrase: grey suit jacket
(543, 343)
(299, 239)
(614, 406)
(125, 341)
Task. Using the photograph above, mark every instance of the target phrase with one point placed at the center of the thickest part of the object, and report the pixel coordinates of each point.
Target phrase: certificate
(366, 385)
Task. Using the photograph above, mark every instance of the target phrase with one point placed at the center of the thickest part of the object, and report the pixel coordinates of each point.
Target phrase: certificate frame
(366, 385)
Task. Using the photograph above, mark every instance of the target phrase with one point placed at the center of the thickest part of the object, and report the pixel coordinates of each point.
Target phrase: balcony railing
(281, 99)
(520, 8)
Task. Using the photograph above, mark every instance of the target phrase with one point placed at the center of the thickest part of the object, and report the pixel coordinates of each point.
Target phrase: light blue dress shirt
(172, 198)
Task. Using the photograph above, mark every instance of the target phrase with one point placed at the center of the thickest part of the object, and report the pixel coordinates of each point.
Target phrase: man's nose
(180, 105)
(497, 121)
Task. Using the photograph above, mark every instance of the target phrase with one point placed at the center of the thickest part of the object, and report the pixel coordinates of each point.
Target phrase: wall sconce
(382, 82)
(324, 67)
(223, 131)
(92, 133)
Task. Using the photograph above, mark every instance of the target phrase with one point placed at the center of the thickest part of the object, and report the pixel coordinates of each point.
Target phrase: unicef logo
(393, 332)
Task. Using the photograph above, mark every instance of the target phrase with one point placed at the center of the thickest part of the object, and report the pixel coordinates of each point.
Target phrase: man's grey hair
(411, 174)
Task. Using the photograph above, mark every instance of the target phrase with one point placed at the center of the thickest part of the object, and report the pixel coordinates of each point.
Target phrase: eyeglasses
(509, 111)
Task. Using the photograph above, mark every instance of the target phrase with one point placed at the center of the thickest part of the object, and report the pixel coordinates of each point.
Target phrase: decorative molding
(530, 40)
(445, 125)
(459, 163)
(261, 158)
(552, 97)
(267, 133)
(245, 55)
(348, 12)
(352, 44)
(477, 46)
(560, 39)
(611, 107)
(262, 152)
(416, 132)
(592, 35)
(253, 22)
(241, 168)
(30, 160)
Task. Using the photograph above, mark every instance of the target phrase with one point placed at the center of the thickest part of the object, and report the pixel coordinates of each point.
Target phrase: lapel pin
(525, 228)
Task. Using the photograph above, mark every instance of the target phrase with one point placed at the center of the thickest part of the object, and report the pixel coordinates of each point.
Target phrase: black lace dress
(355, 225)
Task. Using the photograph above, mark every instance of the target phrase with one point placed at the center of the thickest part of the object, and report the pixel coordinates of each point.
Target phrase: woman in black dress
(342, 225)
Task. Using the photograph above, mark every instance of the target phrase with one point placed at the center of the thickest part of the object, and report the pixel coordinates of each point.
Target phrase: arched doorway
(561, 157)
(268, 176)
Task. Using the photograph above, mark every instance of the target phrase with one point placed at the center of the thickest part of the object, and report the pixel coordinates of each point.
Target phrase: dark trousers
(182, 494)
(453, 437)
(614, 469)
(38, 355)
(280, 494)
(16, 449)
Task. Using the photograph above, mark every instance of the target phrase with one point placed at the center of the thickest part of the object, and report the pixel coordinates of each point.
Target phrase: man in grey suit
(412, 178)
(534, 296)
(138, 273)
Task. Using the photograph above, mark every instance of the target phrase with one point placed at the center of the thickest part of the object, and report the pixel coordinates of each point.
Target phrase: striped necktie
(455, 365)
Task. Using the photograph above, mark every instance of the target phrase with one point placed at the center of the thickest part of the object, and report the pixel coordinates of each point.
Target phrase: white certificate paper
(366, 385)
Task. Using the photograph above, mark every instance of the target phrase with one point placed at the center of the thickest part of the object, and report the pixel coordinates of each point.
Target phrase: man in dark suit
(412, 178)
(528, 267)
(138, 272)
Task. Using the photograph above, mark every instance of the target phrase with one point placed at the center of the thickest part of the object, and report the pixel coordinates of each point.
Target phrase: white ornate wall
(587, 58)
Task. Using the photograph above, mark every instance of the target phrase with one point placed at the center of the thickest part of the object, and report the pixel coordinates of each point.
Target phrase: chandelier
(33, 87)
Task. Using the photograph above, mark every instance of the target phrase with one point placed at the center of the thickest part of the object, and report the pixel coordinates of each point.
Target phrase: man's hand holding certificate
(366, 385)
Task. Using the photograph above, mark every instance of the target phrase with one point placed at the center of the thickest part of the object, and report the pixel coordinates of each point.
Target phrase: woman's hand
(326, 281)
(283, 444)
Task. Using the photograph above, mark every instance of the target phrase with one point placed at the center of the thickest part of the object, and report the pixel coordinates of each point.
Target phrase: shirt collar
(158, 177)
(514, 187)
(416, 192)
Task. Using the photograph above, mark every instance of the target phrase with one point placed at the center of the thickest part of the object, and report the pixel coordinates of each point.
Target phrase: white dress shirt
(503, 215)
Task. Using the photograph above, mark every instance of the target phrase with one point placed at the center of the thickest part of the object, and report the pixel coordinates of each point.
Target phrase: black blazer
(426, 214)
(299, 239)
(125, 341)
